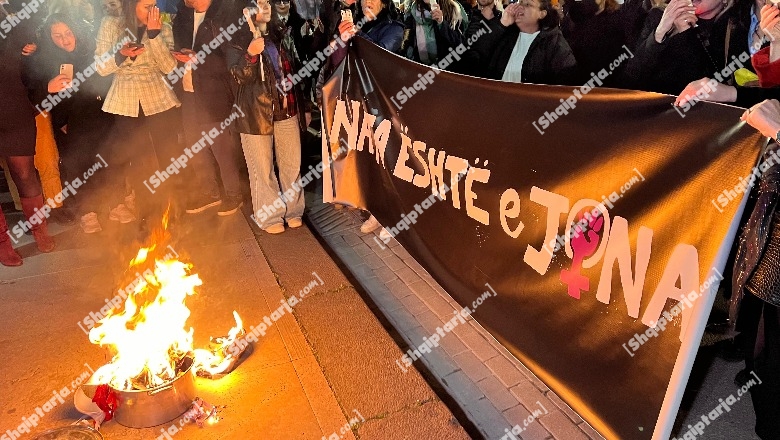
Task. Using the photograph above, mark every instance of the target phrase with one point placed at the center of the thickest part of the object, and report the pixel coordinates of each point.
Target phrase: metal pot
(147, 408)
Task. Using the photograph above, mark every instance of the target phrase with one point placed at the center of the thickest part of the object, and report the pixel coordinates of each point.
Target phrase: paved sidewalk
(313, 371)
(493, 388)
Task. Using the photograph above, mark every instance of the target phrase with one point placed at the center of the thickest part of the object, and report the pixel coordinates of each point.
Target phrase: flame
(217, 359)
(148, 336)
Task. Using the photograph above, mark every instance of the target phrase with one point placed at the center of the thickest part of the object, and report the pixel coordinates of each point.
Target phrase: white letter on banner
(340, 120)
(682, 265)
(619, 249)
(557, 205)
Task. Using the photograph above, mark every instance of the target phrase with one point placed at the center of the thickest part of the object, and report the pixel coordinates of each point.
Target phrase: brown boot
(8, 256)
(30, 207)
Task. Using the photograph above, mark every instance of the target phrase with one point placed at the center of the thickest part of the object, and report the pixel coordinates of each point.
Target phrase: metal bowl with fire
(150, 378)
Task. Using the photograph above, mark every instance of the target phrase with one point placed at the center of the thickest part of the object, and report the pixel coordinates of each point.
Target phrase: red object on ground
(107, 400)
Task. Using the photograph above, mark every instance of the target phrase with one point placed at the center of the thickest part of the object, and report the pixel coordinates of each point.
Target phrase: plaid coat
(138, 81)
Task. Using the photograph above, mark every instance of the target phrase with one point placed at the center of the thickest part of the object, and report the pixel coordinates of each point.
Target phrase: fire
(148, 337)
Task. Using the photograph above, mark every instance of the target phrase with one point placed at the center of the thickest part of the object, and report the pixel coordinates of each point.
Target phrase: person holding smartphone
(207, 100)
(432, 28)
(79, 123)
(275, 114)
(143, 104)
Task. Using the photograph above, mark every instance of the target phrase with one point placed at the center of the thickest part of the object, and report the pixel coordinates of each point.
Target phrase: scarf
(426, 35)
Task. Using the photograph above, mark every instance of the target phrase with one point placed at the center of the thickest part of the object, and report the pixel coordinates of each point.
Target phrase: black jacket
(82, 112)
(470, 63)
(598, 41)
(669, 66)
(549, 60)
(211, 79)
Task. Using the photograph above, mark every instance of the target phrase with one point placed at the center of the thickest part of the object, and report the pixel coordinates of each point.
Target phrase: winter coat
(211, 78)
(549, 59)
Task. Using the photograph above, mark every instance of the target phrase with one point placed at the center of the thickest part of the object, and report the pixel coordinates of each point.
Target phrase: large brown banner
(610, 315)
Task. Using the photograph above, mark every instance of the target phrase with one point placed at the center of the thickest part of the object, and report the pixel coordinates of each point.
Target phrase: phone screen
(67, 70)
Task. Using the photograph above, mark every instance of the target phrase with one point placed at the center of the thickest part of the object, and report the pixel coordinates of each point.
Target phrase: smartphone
(434, 4)
(136, 45)
(346, 15)
(67, 70)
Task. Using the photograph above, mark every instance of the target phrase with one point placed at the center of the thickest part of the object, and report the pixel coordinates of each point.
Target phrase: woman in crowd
(381, 27)
(142, 102)
(756, 277)
(79, 123)
(745, 92)
(17, 143)
(273, 119)
(433, 28)
(599, 31)
(527, 46)
(688, 41)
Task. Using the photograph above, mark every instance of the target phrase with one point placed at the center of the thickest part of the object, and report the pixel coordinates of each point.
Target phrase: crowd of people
(138, 82)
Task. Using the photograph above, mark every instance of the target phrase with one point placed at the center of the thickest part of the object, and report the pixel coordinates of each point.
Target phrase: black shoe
(230, 207)
(203, 203)
(62, 216)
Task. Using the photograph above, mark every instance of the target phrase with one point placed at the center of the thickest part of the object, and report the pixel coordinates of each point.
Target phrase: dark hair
(552, 19)
(44, 32)
(392, 11)
(129, 17)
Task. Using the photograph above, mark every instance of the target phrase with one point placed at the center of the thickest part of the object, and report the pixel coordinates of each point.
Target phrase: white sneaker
(90, 223)
(275, 229)
(121, 214)
(295, 222)
(370, 225)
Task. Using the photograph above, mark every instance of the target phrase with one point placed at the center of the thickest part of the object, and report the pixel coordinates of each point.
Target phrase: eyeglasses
(282, 2)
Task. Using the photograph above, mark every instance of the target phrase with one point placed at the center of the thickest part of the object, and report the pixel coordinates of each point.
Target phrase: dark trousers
(766, 364)
(213, 161)
(142, 148)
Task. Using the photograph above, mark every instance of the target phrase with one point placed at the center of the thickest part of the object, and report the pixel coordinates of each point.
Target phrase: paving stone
(399, 289)
(430, 321)
(472, 366)
(374, 262)
(561, 427)
(505, 370)
(413, 305)
(352, 239)
(393, 262)
(386, 302)
(385, 274)
(558, 402)
(531, 397)
(438, 305)
(476, 342)
(532, 430)
(490, 421)
(497, 393)
(407, 274)
(421, 288)
(452, 344)
(362, 249)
